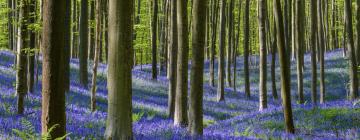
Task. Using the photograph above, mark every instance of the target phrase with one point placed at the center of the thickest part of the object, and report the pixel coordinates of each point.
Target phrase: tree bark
(91, 35)
(67, 46)
(173, 59)
(83, 46)
(213, 42)
(246, 48)
(263, 62)
(300, 45)
(119, 126)
(284, 68)
(181, 117)
(313, 51)
(229, 46)
(154, 38)
(352, 57)
(221, 72)
(53, 91)
(321, 49)
(32, 43)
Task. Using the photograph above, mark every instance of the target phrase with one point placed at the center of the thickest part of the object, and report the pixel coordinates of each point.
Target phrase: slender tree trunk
(22, 45)
(197, 68)
(213, 41)
(300, 45)
(154, 38)
(83, 46)
(262, 12)
(284, 68)
(273, 64)
(67, 46)
(91, 35)
(10, 25)
(358, 31)
(181, 117)
(53, 91)
(236, 46)
(322, 48)
(173, 59)
(334, 37)
(74, 26)
(32, 43)
(313, 51)
(352, 57)
(246, 48)
(221, 72)
(98, 19)
(119, 119)
(229, 46)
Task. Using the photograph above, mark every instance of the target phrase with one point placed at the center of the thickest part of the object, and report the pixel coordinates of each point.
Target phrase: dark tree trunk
(154, 20)
(313, 51)
(300, 45)
(213, 41)
(173, 59)
(32, 43)
(67, 46)
(229, 46)
(83, 46)
(246, 48)
(91, 35)
(321, 51)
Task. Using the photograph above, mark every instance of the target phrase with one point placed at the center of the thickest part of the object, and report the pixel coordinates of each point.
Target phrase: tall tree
(273, 60)
(119, 119)
(230, 43)
(354, 93)
(180, 117)
(67, 46)
(154, 24)
(173, 59)
(284, 67)
(246, 48)
(313, 50)
(197, 68)
(10, 24)
(262, 12)
(32, 43)
(83, 46)
(300, 45)
(236, 46)
(321, 50)
(221, 72)
(53, 91)
(74, 35)
(215, 8)
(91, 35)
(22, 46)
(98, 33)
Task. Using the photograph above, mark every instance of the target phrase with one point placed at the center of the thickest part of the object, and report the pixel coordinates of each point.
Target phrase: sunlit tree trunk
(321, 49)
(181, 117)
(263, 62)
(221, 65)
(53, 91)
(350, 45)
(230, 22)
(246, 48)
(119, 120)
(22, 46)
(284, 68)
(173, 59)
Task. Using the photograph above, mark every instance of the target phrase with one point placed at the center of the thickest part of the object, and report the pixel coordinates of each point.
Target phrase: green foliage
(137, 116)
(274, 125)
(246, 133)
(207, 122)
(28, 132)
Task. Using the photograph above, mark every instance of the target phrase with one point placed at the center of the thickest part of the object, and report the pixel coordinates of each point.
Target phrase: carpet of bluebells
(236, 118)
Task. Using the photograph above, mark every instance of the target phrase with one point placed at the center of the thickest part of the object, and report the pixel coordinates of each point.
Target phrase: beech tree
(83, 45)
(221, 72)
(53, 91)
(262, 4)
(246, 48)
(119, 120)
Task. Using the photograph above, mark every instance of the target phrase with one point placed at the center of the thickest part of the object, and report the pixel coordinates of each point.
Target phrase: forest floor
(236, 118)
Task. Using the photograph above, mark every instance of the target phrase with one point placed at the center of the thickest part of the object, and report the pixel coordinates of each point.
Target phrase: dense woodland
(179, 69)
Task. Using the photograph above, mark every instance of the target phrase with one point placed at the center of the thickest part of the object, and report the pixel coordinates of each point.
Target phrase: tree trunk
(22, 45)
(229, 46)
(262, 4)
(154, 38)
(321, 50)
(74, 34)
(173, 59)
(83, 46)
(273, 64)
(246, 48)
(300, 45)
(32, 43)
(352, 57)
(67, 46)
(197, 68)
(313, 51)
(98, 19)
(221, 72)
(53, 91)
(181, 117)
(236, 46)
(10, 25)
(213, 41)
(119, 126)
(91, 35)
(284, 68)
(358, 31)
